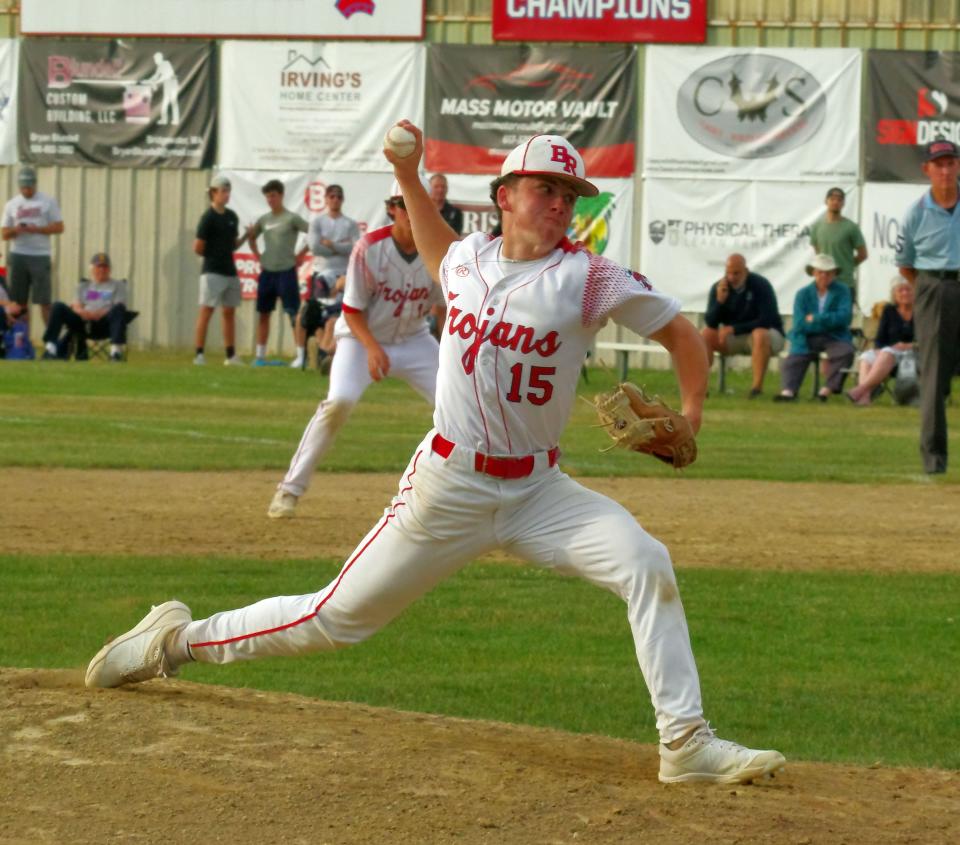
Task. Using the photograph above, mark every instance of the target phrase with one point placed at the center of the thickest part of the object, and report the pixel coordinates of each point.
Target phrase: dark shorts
(26, 274)
(282, 284)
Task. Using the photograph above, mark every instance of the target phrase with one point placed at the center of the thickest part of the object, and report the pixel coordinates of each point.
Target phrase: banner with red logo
(483, 101)
(139, 103)
(311, 105)
(913, 98)
(752, 113)
(677, 21)
(370, 19)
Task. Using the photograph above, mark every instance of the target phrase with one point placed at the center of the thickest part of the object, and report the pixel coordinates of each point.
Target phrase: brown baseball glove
(645, 424)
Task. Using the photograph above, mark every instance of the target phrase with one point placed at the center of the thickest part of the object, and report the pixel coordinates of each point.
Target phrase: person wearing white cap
(382, 330)
(29, 219)
(218, 236)
(522, 311)
(822, 312)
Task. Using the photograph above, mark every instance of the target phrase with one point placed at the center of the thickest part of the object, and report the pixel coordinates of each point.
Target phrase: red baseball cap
(550, 155)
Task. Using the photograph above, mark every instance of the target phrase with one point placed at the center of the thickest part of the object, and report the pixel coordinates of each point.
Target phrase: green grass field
(826, 666)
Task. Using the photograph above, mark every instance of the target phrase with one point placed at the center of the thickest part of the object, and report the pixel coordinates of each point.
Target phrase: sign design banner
(128, 103)
(677, 21)
(9, 49)
(690, 227)
(298, 105)
(913, 98)
(368, 19)
(484, 101)
(728, 113)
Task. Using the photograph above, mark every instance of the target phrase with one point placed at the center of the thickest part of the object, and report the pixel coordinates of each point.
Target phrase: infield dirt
(177, 762)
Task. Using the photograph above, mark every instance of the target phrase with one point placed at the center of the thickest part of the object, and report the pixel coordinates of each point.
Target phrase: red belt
(497, 467)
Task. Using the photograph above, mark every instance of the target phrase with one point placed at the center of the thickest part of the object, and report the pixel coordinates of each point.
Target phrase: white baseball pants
(447, 514)
(415, 361)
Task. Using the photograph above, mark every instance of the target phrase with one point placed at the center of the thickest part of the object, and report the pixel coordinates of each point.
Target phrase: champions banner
(751, 113)
(678, 21)
(127, 103)
(368, 19)
(884, 206)
(9, 48)
(297, 105)
(690, 227)
(913, 98)
(484, 101)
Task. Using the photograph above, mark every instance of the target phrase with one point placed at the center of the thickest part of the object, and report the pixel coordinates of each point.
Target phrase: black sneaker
(116, 358)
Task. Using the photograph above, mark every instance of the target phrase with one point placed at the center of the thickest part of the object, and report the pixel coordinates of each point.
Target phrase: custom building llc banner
(751, 113)
(690, 227)
(119, 102)
(483, 101)
(913, 98)
(297, 105)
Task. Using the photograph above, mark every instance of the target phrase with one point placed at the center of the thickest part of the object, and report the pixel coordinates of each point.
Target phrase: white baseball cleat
(282, 506)
(233, 361)
(139, 654)
(705, 757)
(200, 360)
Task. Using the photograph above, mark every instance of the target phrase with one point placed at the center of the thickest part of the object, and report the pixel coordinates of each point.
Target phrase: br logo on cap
(562, 155)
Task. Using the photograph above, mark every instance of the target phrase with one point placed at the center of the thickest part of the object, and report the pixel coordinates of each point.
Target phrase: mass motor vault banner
(484, 101)
(297, 105)
(913, 98)
(741, 113)
(691, 226)
(117, 102)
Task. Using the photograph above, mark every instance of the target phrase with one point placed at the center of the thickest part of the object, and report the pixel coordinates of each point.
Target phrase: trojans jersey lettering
(396, 293)
(516, 334)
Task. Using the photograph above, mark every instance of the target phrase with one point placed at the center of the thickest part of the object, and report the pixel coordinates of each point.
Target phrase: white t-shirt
(395, 293)
(39, 210)
(516, 335)
(343, 232)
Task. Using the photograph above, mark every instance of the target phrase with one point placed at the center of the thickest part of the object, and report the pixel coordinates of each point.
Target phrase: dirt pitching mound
(175, 762)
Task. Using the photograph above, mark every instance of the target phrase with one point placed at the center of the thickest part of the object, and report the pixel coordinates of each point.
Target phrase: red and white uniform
(395, 292)
(487, 476)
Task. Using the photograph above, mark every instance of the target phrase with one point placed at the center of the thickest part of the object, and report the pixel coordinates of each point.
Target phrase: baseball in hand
(401, 142)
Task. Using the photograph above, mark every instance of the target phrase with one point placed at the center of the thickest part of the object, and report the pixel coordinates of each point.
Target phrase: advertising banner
(690, 227)
(298, 105)
(9, 49)
(913, 98)
(677, 21)
(482, 101)
(129, 103)
(603, 223)
(741, 113)
(368, 19)
(884, 206)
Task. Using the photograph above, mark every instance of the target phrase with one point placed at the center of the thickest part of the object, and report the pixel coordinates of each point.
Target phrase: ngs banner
(913, 98)
(8, 100)
(691, 226)
(484, 101)
(368, 19)
(741, 113)
(298, 105)
(122, 102)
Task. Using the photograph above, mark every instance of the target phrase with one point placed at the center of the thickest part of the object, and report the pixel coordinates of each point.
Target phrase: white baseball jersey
(516, 335)
(394, 290)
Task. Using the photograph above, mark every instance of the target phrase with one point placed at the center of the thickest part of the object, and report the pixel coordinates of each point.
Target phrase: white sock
(301, 351)
(261, 350)
(115, 349)
(50, 347)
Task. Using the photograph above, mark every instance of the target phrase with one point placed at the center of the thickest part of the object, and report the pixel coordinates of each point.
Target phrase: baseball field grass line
(850, 667)
(160, 412)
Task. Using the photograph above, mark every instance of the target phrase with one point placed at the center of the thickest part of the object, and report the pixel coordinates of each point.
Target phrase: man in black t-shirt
(218, 235)
(743, 319)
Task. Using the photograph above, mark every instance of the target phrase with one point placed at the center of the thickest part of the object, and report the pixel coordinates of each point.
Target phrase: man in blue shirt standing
(928, 255)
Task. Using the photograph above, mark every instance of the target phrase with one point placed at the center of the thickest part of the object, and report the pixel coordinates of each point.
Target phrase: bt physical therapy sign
(645, 21)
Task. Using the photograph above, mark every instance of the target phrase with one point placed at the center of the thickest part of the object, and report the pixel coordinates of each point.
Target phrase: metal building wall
(145, 218)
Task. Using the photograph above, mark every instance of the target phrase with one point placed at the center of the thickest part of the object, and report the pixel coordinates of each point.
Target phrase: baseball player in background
(522, 311)
(381, 331)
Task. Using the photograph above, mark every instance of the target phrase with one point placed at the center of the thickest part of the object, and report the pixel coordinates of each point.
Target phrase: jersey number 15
(540, 389)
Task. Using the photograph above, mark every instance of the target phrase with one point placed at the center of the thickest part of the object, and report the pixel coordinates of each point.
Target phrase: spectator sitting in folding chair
(100, 310)
(892, 346)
